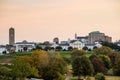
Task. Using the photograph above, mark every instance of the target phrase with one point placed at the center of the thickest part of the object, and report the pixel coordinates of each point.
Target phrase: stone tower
(75, 36)
(11, 36)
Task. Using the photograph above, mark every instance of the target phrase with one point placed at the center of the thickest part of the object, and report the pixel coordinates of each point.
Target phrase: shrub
(99, 76)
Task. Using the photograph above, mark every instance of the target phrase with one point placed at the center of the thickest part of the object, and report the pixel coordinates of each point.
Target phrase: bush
(99, 76)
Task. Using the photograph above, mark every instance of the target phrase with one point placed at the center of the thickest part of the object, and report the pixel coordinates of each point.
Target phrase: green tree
(56, 67)
(113, 46)
(76, 53)
(106, 61)
(22, 69)
(4, 72)
(113, 57)
(85, 48)
(49, 64)
(70, 48)
(103, 50)
(82, 66)
(99, 76)
(116, 67)
(58, 48)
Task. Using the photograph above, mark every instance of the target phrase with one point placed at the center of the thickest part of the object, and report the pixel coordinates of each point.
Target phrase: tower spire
(75, 36)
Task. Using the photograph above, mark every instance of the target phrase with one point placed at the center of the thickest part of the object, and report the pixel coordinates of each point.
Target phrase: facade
(97, 36)
(24, 46)
(11, 36)
(3, 50)
(84, 39)
(64, 46)
(108, 39)
(76, 44)
(91, 46)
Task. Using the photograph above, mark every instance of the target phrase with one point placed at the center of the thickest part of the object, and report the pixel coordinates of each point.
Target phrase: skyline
(42, 20)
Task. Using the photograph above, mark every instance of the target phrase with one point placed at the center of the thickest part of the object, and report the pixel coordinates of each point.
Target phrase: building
(76, 44)
(97, 36)
(64, 46)
(3, 50)
(84, 39)
(118, 43)
(56, 40)
(24, 46)
(108, 39)
(11, 36)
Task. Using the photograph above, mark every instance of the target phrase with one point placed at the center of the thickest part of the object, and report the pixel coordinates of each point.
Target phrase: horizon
(43, 20)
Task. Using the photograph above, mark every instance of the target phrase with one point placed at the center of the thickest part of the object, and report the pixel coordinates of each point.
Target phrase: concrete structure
(11, 36)
(24, 46)
(97, 36)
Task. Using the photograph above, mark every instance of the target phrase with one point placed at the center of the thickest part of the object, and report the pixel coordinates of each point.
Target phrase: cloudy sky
(42, 20)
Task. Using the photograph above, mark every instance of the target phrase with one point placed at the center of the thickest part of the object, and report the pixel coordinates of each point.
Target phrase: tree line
(50, 65)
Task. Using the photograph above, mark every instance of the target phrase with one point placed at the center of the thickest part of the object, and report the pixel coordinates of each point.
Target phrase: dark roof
(86, 37)
(72, 41)
(25, 42)
(64, 44)
(2, 46)
(95, 32)
(89, 44)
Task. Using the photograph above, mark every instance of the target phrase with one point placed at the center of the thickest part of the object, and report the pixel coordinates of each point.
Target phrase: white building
(77, 44)
(118, 43)
(54, 45)
(91, 46)
(24, 46)
(3, 50)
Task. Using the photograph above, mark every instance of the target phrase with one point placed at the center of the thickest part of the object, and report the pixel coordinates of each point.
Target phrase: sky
(42, 20)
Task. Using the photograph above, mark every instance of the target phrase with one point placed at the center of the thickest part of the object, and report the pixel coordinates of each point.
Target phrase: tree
(5, 72)
(98, 64)
(103, 50)
(113, 46)
(116, 67)
(99, 76)
(95, 47)
(113, 57)
(76, 53)
(58, 48)
(82, 66)
(49, 64)
(85, 48)
(38, 47)
(70, 48)
(56, 67)
(47, 48)
(22, 69)
(106, 61)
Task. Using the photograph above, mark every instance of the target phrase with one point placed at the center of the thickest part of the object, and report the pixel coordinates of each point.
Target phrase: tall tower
(11, 36)
(75, 36)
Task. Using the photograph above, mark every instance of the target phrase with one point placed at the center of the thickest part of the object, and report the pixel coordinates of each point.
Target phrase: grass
(66, 54)
(92, 78)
